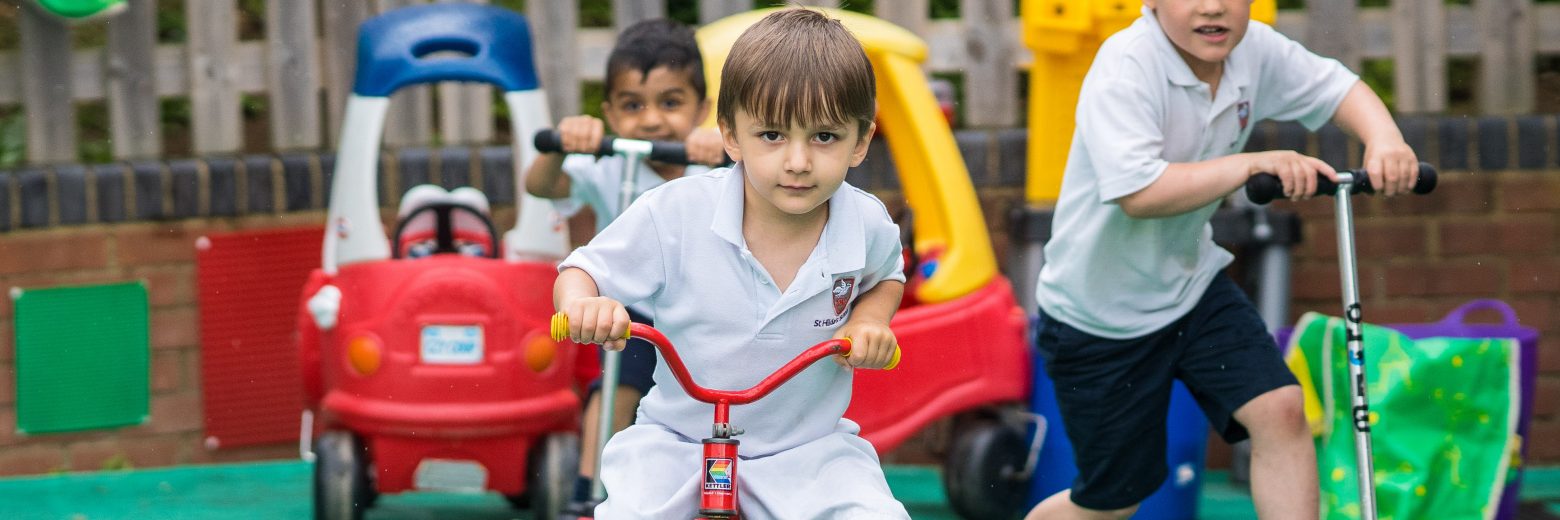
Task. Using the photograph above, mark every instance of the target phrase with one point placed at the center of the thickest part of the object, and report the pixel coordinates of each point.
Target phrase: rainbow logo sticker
(718, 473)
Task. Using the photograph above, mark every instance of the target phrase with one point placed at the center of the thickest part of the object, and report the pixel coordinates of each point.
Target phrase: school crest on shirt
(843, 289)
(1243, 110)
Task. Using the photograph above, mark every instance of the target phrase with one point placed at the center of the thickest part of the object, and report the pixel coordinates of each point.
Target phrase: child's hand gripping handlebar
(560, 332)
(1262, 188)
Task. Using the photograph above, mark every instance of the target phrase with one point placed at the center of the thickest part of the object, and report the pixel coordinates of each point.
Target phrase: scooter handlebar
(548, 141)
(1262, 188)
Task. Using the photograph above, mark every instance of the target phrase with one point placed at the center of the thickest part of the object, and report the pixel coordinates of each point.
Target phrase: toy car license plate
(452, 344)
(450, 475)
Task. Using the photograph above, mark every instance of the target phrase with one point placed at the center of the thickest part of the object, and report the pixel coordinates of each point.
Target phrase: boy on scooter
(1132, 295)
(747, 266)
(655, 92)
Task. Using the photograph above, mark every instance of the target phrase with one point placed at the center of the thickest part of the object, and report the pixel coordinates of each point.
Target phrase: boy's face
(1204, 31)
(795, 168)
(659, 106)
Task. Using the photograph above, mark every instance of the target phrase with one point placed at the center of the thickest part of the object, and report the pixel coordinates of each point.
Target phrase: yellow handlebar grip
(895, 361)
(560, 328)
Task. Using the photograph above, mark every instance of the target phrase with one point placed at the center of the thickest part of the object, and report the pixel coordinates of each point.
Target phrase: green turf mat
(281, 489)
(81, 357)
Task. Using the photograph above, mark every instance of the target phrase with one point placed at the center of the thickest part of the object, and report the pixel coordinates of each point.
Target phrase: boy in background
(655, 92)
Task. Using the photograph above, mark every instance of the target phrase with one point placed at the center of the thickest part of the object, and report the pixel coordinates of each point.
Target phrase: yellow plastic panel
(936, 183)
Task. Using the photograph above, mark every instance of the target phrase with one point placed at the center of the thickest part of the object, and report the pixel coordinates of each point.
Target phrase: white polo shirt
(598, 183)
(1140, 109)
(680, 249)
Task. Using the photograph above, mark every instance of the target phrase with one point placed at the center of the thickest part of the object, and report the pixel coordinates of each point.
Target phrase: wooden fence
(303, 65)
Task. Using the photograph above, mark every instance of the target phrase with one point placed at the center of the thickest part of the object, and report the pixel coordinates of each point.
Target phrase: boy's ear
(728, 138)
(859, 153)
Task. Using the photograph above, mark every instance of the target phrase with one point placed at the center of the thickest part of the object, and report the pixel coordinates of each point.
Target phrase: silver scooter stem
(1349, 272)
(611, 360)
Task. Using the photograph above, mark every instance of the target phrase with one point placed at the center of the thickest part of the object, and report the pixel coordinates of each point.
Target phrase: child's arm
(872, 343)
(545, 178)
(1389, 161)
(1185, 187)
(592, 318)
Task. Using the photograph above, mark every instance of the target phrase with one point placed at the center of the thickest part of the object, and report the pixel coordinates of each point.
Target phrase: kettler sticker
(717, 474)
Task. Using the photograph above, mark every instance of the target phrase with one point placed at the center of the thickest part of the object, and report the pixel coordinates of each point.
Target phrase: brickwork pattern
(1492, 230)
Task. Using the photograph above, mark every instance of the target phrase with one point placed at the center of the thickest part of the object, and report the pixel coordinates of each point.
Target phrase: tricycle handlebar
(560, 331)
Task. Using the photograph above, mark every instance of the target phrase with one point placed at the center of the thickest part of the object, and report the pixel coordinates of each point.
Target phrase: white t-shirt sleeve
(625, 259)
(1297, 84)
(885, 258)
(1119, 123)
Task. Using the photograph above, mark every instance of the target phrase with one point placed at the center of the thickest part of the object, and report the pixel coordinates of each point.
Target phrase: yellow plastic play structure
(936, 183)
(1064, 35)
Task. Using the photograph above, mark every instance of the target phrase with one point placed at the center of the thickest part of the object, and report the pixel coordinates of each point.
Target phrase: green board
(81, 357)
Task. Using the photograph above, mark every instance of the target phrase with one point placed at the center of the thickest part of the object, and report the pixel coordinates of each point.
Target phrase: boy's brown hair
(798, 66)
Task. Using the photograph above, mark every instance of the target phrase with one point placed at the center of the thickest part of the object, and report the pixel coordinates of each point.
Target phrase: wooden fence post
(292, 75)
(910, 14)
(629, 12)
(46, 88)
(1506, 72)
(1331, 30)
(465, 111)
(215, 119)
(554, 26)
(410, 119)
(711, 10)
(130, 82)
(1419, 55)
(990, 82)
(341, 20)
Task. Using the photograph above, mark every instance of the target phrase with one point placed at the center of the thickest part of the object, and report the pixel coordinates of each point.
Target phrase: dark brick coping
(71, 194)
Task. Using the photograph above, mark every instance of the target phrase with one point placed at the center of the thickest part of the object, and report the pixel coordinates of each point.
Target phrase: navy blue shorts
(1114, 394)
(637, 369)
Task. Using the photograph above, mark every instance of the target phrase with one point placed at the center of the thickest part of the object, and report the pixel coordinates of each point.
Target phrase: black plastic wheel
(980, 472)
(551, 469)
(342, 489)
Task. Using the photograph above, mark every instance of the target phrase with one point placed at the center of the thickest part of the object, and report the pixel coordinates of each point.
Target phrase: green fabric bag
(1443, 415)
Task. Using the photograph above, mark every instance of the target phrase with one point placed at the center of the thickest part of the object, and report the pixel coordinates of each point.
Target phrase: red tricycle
(426, 359)
(719, 492)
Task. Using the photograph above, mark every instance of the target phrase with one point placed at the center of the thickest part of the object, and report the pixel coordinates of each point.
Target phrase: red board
(249, 287)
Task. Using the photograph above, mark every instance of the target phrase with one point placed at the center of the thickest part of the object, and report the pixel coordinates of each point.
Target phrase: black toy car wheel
(551, 469)
(342, 490)
(981, 472)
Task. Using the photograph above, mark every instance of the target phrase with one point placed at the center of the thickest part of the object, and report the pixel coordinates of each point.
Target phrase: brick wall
(1491, 230)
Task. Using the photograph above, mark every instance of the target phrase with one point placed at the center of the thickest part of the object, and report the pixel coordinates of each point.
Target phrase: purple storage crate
(1452, 326)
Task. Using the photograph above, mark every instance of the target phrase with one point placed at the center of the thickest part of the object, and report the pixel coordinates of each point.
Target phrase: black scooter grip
(1262, 188)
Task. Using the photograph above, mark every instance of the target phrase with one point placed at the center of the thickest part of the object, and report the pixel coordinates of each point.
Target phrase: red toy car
(426, 357)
